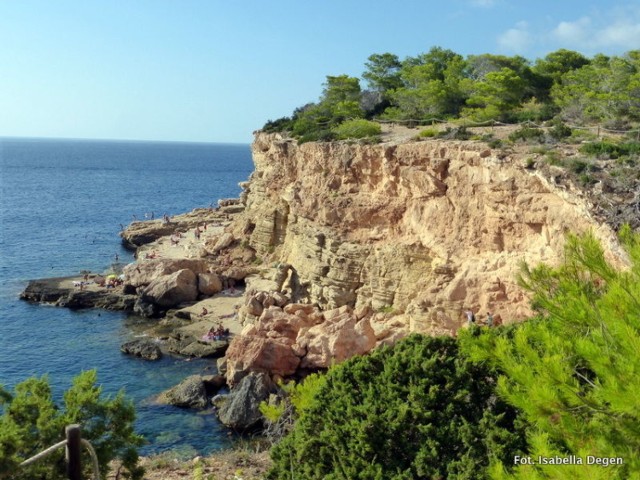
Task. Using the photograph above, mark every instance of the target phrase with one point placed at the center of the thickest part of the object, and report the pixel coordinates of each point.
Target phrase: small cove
(61, 206)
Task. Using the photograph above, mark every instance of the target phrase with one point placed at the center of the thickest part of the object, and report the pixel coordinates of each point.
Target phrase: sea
(62, 204)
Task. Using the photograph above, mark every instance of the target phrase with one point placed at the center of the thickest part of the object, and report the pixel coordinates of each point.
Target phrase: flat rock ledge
(140, 233)
(62, 292)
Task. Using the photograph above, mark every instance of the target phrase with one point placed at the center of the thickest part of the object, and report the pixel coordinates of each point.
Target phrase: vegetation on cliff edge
(441, 84)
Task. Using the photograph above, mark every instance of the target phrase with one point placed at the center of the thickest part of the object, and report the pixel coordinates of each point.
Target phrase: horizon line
(87, 139)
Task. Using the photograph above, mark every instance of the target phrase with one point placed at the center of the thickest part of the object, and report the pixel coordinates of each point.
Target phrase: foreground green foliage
(441, 84)
(574, 373)
(418, 410)
(31, 422)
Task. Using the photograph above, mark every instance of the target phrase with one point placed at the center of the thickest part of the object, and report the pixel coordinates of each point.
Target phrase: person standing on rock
(489, 320)
(471, 318)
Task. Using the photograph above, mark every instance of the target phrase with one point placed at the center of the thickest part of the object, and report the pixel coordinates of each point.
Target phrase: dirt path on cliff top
(399, 133)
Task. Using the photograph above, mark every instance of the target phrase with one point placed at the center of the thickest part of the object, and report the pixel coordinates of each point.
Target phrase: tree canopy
(441, 84)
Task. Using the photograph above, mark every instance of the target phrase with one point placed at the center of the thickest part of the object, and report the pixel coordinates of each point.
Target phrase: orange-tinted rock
(256, 353)
(335, 341)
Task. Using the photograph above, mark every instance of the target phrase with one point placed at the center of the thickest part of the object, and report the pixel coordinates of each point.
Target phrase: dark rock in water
(46, 290)
(190, 393)
(142, 348)
(140, 233)
(213, 383)
(53, 290)
(190, 347)
(240, 409)
(145, 308)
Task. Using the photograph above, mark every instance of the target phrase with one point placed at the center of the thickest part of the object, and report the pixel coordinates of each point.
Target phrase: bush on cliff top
(32, 422)
(417, 410)
(357, 128)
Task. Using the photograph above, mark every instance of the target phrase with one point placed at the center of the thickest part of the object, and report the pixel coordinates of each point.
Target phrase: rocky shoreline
(183, 295)
(334, 249)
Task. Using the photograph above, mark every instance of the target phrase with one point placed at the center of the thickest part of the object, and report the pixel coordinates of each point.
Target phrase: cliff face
(424, 229)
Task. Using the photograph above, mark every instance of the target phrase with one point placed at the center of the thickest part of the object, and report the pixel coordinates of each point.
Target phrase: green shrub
(317, 136)
(605, 149)
(428, 133)
(280, 125)
(527, 134)
(32, 422)
(417, 410)
(554, 158)
(357, 128)
(578, 166)
(560, 131)
(496, 143)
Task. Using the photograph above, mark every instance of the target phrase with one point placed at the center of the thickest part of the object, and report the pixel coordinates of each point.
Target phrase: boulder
(209, 283)
(340, 337)
(171, 290)
(238, 273)
(255, 353)
(190, 393)
(223, 242)
(240, 410)
(146, 349)
(146, 271)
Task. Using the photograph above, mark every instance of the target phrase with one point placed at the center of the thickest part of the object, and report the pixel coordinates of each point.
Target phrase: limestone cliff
(423, 229)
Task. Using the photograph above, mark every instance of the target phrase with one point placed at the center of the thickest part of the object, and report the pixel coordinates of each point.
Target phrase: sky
(215, 71)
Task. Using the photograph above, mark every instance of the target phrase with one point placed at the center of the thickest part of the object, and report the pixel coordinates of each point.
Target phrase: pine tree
(31, 421)
(574, 372)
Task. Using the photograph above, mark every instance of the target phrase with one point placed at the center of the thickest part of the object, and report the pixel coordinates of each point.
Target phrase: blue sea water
(61, 206)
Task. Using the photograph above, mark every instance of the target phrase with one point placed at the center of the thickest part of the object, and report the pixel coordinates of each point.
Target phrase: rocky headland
(336, 248)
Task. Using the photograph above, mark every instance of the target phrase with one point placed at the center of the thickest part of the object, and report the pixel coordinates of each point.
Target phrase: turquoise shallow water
(61, 204)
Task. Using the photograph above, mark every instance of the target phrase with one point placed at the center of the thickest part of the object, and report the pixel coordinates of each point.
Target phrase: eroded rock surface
(423, 229)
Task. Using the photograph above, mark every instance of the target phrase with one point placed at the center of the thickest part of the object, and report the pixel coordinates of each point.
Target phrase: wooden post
(74, 467)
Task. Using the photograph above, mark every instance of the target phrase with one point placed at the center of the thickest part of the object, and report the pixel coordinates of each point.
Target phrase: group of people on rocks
(111, 281)
(217, 332)
(490, 321)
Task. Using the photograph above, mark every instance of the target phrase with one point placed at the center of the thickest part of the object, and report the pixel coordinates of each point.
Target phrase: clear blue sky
(215, 70)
